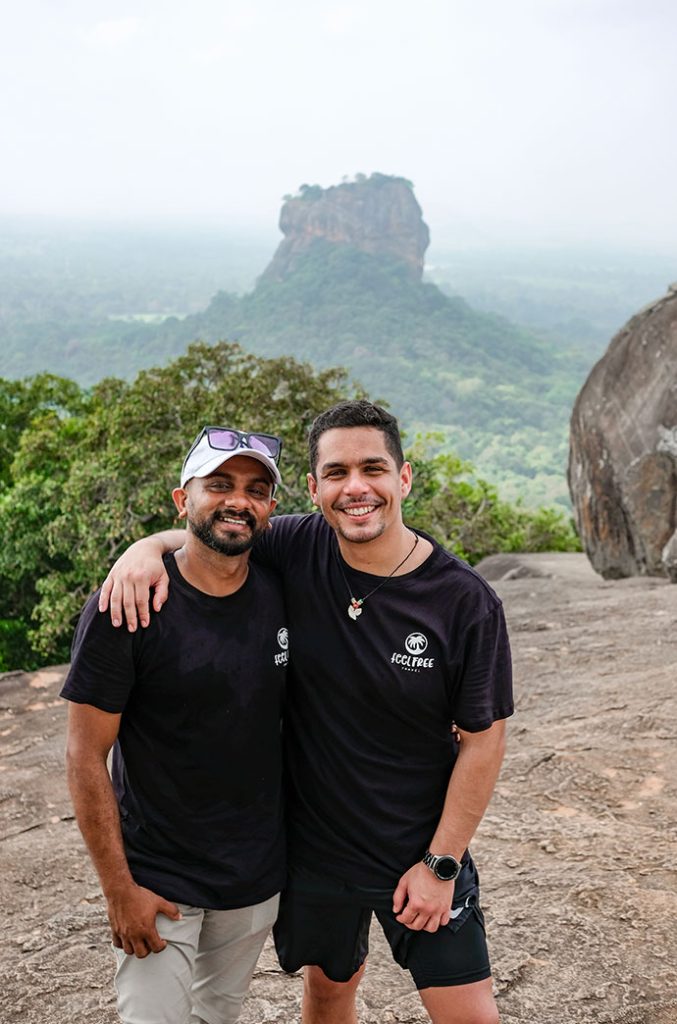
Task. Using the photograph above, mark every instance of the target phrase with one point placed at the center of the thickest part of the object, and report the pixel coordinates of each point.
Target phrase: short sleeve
(275, 548)
(485, 692)
(102, 662)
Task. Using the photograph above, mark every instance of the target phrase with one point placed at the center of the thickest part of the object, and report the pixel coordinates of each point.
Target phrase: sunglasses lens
(268, 445)
(224, 440)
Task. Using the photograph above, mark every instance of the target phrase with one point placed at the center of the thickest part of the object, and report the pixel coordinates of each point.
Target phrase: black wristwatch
(445, 867)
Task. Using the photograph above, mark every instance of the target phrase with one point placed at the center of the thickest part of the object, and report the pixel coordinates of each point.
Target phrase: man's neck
(209, 571)
(380, 556)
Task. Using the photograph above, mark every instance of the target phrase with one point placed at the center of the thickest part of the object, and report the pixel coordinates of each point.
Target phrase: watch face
(447, 869)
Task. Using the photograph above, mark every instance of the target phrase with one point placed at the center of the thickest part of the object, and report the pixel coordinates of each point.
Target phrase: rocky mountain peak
(377, 215)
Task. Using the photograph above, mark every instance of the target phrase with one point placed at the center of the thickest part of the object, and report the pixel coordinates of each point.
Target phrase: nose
(238, 498)
(354, 484)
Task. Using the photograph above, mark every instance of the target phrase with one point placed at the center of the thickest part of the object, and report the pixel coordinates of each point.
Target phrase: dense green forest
(472, 377)
(568, 297)
(479, 381)
(84, 471)
(86, 304)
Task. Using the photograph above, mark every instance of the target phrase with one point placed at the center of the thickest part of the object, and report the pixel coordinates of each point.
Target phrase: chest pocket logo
(282, 657)
(416, 643)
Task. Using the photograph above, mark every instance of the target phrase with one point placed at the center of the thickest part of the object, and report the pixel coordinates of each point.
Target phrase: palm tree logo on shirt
(416, 643)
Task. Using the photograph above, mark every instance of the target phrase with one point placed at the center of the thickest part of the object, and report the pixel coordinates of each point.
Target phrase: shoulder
(469, 578)
(94, 626)
(102, 661)
(287, 537)
(293, 526)
(99, 646)
(460, 583)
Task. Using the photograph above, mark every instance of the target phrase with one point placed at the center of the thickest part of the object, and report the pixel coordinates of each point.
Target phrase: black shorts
(325, 922)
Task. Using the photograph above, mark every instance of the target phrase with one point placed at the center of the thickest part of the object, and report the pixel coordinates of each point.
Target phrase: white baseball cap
(216, 445)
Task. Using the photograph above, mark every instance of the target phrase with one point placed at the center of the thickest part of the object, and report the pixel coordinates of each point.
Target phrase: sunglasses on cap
(227, 439)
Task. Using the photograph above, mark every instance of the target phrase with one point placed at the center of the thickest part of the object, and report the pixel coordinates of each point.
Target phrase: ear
(405, 479)
(180, 497)
(312, 487)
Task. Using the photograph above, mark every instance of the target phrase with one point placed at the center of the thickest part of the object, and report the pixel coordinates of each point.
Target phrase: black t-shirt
(197, 764)
(367, 723)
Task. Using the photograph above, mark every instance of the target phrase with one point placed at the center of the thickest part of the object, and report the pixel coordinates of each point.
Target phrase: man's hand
(131, 913)
(127, 586)
(422, 901)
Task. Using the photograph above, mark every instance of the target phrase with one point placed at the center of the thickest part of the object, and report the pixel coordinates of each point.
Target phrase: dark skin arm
(131, 908)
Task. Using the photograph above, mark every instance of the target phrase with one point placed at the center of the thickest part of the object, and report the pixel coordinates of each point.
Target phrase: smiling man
(394, 638)
(187, 839)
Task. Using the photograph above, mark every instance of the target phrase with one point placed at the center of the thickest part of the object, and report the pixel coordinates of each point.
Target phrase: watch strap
(431, 860)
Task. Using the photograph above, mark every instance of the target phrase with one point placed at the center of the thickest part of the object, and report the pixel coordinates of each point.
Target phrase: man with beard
(394, 638)
(188, 840)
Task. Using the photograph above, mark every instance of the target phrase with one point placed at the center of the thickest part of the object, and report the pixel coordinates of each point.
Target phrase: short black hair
(356, 413)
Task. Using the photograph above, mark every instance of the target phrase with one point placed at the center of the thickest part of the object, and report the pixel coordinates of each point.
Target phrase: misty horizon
(541, 123)
(444, 239)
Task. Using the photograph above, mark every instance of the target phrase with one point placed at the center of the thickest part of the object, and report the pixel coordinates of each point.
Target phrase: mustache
(244, 517)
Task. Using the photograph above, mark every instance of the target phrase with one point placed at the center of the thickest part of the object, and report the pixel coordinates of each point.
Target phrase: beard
(226, 544)
(354, 534)
(357, 537)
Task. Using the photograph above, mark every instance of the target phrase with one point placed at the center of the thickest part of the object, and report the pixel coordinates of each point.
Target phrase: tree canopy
(94, 470)
(85, 472)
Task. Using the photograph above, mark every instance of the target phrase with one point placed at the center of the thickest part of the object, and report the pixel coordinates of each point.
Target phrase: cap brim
(199, 468)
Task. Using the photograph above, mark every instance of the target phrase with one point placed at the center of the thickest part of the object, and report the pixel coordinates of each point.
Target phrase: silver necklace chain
(355, 606)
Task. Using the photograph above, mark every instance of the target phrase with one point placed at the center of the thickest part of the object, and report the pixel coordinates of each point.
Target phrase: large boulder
(378, 215)
(623, 454)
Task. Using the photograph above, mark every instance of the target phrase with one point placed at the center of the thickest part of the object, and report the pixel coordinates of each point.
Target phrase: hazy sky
(517, 120)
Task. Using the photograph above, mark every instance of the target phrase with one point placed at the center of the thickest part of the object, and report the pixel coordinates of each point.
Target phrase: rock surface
(378, 215)
(578, 850)
(623, 456)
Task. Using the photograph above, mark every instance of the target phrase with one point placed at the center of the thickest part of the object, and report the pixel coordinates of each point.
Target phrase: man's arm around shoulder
(131, 908)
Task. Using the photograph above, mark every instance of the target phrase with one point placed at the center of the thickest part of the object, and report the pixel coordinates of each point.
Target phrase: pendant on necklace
(355, 608)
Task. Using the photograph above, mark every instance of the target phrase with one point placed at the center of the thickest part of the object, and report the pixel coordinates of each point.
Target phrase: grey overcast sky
(547, 121)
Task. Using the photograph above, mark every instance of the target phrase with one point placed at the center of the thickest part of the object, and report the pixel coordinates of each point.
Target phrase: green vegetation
(61, 284)
(476, 377)
(572, 298)
(497, 392)
(85, 472)
(89, 471)
(375, 180)
(311, 192)
(465, 513)
(85, 305)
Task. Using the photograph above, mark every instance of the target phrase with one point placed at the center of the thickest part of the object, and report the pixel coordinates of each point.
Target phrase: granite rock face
(623, 454)
(378, 215)
(576, 852)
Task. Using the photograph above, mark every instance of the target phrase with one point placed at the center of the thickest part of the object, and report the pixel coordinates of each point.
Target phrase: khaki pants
(203, 974)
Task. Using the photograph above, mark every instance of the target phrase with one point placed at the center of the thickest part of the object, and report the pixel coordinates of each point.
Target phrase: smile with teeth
(355, 511)
(232, 520)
